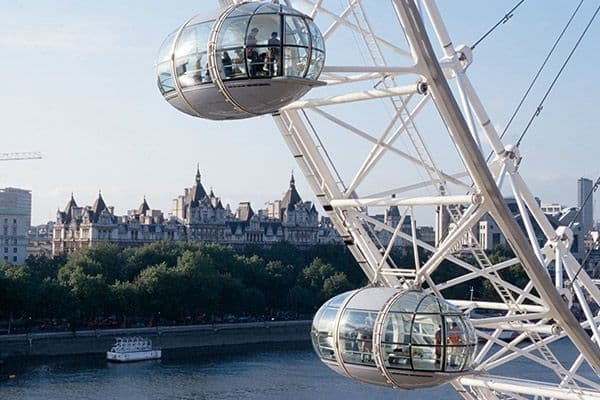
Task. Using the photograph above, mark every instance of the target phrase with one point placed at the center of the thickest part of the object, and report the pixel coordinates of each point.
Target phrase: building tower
(15, 219)
(584, 188)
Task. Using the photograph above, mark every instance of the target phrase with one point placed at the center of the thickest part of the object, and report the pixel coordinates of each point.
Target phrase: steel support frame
(477, 167)
(350, 225)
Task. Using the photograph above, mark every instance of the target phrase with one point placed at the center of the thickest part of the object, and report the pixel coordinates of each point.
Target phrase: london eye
(396, 122)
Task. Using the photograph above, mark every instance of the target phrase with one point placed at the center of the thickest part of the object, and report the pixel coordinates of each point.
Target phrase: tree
(15, 284)
(124, 298)
(335, 284)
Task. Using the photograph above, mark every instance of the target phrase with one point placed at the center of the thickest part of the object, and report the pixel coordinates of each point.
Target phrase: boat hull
(133, 356)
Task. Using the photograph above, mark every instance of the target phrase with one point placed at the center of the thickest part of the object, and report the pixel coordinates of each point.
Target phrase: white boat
(136, 348)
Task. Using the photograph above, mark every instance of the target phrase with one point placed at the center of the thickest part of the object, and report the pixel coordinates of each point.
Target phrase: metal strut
(482, 177)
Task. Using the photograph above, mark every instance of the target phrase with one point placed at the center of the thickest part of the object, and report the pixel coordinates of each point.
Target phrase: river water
(259, 372)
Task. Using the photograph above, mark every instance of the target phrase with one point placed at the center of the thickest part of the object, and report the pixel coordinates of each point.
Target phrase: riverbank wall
(164, 337)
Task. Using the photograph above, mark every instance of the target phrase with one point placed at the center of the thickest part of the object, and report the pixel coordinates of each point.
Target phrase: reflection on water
(290, 372)
(255, 372)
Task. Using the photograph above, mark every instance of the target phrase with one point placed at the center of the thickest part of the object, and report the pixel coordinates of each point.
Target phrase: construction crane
(32, 155)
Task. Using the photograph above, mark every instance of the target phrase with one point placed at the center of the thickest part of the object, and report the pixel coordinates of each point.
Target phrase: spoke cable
(540, 106)
(502, 21)
(539, 72)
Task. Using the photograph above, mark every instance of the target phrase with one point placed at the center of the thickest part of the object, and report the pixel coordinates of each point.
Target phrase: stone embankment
(164, 337)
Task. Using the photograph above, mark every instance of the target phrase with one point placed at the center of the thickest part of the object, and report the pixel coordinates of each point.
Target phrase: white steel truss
(395, 74)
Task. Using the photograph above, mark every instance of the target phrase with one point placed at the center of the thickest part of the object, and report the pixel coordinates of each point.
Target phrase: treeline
(175, 281)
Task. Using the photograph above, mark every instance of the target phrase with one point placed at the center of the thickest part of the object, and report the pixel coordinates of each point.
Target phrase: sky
(79, 85)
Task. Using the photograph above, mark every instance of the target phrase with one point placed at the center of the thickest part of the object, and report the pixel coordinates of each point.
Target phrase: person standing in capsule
(251, 52)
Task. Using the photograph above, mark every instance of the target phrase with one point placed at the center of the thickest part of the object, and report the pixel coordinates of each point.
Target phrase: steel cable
(538, 73)
(503, 20)
(540, 106)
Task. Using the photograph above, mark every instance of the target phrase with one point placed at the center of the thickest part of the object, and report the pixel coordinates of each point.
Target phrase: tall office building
(15, 220)
(584, 188)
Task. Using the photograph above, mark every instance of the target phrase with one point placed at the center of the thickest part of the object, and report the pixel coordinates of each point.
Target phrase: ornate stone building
(78, 227)
(196, 215)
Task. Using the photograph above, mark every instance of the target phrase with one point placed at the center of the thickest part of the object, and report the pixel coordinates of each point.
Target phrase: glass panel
(314, 338)
(456, 358)
(193, 70)
(326, 322)
(408, 302)
(471, 333)
(193, 39)
(397, 356)
(315, 34)
(296, 32)
(263, 62)
(455, 331)
(269, 30)
(325, 331)
(356, 337)
(231, 64)
(427, 330)
(295, 61)
(397, 328)
(165, 79)
(233, 33)
(316, 65)
(448, 308)
(165, 48)
(339, 299)
(426, 358)
(247, 8)
(429, 304)
(269, 8)
(289, 10)
(471, 350)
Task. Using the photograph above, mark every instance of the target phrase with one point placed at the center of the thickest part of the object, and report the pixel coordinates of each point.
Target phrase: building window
(14, 242)
(6, 242)
(6, 249)
(5, 258)
(14, 221)
(15, 259)
(6, 220)
(14, 249)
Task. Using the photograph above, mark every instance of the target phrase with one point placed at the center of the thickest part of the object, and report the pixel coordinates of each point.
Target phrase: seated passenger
(227, 65)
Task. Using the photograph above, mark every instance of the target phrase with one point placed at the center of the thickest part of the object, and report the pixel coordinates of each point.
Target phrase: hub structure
(392, 125)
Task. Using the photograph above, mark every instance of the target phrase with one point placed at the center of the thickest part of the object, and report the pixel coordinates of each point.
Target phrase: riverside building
(200, 215)
(15, 219)
(196, 215)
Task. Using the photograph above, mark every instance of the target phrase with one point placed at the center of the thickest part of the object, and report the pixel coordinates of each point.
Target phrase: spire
(70, 204)
(99, 204)
(291, 197)
(198, 192)
(143, 207)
